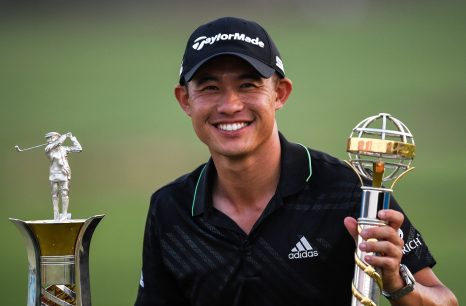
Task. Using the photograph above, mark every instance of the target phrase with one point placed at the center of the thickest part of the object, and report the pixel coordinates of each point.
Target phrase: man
(264, 221)
(60, 171)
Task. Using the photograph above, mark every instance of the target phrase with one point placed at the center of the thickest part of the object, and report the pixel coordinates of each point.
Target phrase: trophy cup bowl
(381, 149)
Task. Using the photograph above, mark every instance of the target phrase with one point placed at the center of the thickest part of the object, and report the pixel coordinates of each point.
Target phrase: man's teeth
(232, 126)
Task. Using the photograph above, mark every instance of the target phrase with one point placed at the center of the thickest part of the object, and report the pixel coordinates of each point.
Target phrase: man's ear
(283, 88)
(181, 94)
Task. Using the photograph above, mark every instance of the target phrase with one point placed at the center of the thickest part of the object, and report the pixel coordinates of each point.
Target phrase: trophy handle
(83, 292)
(355, 171)
(33, 254)
(401, 175)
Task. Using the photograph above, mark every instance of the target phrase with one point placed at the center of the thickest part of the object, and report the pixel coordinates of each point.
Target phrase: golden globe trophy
(381, 149)
(58, 249)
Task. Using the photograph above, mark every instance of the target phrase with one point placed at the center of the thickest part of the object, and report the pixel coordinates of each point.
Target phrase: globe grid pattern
(384, 127)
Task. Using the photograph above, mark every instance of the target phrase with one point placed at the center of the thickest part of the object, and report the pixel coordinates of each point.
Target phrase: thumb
(352, 226)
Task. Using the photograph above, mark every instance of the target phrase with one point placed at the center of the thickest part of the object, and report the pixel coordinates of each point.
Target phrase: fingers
(389, 247)
(392, 217)
(386, 243)
(352, 226)
(390, 253)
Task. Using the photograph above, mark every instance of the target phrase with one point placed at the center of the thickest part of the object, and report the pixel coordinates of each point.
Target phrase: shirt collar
(295, 171)
(295, 168)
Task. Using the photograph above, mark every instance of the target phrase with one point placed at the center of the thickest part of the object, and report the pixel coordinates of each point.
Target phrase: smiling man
(264, 221)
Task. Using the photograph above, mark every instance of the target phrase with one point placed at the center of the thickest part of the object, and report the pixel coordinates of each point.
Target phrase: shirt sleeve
(76, 146)
(416, 254)
(157, 286)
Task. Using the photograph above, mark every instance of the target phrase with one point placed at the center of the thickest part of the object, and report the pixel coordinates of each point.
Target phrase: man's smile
(231, 126)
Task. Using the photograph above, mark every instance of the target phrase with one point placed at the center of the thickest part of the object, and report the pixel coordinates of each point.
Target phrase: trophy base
(58, 257)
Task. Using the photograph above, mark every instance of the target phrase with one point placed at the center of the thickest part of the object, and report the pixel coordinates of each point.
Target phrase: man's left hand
(386, 242)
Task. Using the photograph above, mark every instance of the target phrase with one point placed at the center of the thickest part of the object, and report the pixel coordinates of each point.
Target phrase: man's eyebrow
(204, 79)
(251, 76)
(201, 79)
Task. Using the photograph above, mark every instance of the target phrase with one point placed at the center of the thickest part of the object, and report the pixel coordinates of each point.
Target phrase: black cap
(231, 36)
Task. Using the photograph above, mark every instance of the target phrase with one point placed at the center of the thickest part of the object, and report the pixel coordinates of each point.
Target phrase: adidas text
(303, 254)
(203, 40)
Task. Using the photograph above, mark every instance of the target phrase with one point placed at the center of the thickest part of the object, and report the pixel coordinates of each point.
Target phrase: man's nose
(230, 102)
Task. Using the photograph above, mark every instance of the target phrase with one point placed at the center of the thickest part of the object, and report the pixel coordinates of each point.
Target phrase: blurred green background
(106, 73)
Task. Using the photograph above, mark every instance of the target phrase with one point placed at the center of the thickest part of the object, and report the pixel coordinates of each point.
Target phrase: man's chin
(231, 153)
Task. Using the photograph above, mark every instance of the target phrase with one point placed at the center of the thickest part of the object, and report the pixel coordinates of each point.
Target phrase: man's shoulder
(325, 168)
(321, 159)
(330, 168)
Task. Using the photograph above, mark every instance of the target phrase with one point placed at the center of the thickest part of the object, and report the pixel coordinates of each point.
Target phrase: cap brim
(264, 70)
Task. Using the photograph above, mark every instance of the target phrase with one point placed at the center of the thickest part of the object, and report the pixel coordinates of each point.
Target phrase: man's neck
(244, 186)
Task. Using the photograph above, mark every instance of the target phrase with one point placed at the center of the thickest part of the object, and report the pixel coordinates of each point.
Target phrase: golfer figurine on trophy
(58, 249)
(381, 149)
(60, 172)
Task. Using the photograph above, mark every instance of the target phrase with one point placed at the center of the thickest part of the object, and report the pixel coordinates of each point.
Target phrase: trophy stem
(367, 281)
(378, 170)
(58, 257)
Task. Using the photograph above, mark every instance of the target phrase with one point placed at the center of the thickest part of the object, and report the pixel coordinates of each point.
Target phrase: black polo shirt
(298, 252)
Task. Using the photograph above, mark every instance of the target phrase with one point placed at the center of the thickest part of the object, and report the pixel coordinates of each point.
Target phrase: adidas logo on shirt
(303, 249)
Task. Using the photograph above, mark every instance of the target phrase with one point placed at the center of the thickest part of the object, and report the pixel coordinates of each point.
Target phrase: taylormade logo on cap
(203, 40)
(231, 36)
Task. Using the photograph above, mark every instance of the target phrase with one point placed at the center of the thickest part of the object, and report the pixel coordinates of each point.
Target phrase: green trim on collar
(195, 190)
(309, 159)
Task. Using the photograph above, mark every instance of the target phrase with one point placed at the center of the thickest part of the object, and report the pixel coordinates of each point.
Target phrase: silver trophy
(381, 149)
(58, 249)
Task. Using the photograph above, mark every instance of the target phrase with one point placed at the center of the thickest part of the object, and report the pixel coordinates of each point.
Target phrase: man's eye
(248, 85)
(209, 88)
